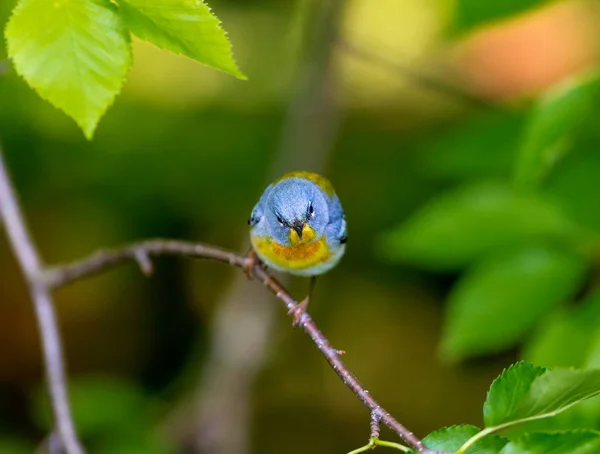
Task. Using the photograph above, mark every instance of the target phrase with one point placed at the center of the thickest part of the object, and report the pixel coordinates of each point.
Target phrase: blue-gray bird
(298, 227)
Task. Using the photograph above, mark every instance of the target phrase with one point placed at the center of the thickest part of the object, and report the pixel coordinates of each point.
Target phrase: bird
(298, 226)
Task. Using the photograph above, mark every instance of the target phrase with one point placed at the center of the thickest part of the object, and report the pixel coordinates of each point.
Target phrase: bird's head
(297, 212)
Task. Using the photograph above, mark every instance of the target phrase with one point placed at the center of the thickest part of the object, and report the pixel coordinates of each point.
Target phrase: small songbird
(298, 227)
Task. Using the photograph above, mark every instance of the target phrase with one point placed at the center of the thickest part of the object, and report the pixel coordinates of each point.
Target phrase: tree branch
(31, 265)
(60, 275)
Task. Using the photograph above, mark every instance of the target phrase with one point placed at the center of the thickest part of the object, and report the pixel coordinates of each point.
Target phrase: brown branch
(61, 275)
(30, 263)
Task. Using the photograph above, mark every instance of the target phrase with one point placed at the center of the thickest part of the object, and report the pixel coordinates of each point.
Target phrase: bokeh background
(398, 103)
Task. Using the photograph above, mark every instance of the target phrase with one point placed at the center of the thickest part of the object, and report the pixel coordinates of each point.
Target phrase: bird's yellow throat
(303, 255)
(308, 235)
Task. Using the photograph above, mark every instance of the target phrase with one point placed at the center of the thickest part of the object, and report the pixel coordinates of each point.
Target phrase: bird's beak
(298, 226)
(301, 233)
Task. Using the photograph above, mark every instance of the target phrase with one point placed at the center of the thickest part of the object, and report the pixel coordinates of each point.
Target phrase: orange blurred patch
(526, 55)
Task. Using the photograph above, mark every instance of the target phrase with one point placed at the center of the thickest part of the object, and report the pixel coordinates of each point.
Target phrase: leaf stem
(373, 441)
(507, 425)
(390, 444)
(474, 439)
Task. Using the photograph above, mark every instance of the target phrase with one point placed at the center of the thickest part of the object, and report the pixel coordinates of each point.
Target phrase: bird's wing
(258, 211)
(336, 228)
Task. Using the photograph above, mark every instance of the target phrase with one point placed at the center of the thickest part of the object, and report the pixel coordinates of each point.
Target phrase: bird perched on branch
(298, 227)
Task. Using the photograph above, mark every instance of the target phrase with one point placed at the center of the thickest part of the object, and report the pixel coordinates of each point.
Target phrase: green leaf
(185, 27)
(564, 339)
(74, 53)
(449, 439)
(571, 442)
(508, 390)
(457, 228)
(498, 301)
(592, 353)
(526, 393)
(552, 122)
(469, 14)
(574, 184)
(570, 338)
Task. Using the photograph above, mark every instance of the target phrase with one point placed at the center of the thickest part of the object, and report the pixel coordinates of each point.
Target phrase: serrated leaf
(469, 14)
(459, 227)
(526, 393)
(565, 338)
(498, 301)
(553, 120)
(74, 53)
(571, 442)
(449, 439)
(185, 27)
(508, 390)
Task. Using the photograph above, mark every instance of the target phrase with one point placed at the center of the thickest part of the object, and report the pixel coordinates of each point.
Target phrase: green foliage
(592, 357)
(74, 53)
(185, 27)
(77, 53)
(573, 442)
(574, 183)
(459, 227)
(475, 13)
(501, 298)
(484, 145)
(522, 244)
(449, 439)
(553, 120)
(508, 390)
(522, 247)
(564, 338)
(525, 392)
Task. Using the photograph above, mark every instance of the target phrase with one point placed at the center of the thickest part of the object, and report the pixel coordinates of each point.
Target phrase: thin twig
(375, 424)
(60, 275)
(424, 80)
(31, 265)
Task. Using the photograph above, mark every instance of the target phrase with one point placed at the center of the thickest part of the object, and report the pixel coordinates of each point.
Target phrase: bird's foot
(251, 261)
(298, 312)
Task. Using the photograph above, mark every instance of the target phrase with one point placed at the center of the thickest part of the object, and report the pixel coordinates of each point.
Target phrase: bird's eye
(310, 210)
(281, 223)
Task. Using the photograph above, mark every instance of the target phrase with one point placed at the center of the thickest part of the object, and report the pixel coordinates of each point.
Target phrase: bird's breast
(289, 258)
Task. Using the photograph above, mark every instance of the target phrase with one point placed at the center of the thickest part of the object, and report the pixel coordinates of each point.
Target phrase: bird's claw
(298, 312)
(251, 261)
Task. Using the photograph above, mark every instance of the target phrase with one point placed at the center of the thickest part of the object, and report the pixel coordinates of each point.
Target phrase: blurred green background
(464, 147)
